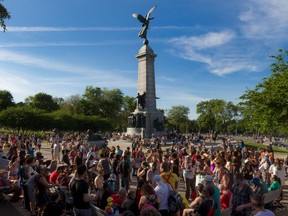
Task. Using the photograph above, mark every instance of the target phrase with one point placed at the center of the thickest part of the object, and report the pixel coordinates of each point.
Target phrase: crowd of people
(233, 176)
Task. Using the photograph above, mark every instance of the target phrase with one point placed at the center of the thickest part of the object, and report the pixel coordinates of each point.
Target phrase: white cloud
(209, 40)
(23, 84)
(62, 29)
(62, 44)
(216, 50)
(52, 64)
(228, 69)
(191, 48)
(165, 78)
(265, 19)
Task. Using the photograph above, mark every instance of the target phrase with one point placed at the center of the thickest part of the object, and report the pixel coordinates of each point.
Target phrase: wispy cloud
(63, 44)
(165, 78)
(44, 63)
(80, 75)
(20, 86)
(62, 29)
(214, 49)
(265, 19)
(23, 84)
(209, 40)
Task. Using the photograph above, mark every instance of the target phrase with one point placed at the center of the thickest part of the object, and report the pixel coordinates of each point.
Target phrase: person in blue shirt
(118, 150)
(111, 182)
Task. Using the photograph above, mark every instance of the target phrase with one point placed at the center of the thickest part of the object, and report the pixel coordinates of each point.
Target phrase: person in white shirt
(162, 190)
(264, 169)
(279, 170)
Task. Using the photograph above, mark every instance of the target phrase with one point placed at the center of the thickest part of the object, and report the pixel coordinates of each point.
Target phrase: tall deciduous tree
(216, 114)
(101, 102)
(71, 104)
(209, 113)
(6, 100)
(42, 101)
(177, 117)
(266, 106)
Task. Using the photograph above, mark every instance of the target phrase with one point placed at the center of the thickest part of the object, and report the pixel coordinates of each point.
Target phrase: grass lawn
(279, 150)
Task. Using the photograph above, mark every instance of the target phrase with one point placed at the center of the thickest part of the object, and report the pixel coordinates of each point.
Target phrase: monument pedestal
(146, 118)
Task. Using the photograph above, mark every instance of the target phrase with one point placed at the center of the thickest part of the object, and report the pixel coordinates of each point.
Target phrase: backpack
(175, 201)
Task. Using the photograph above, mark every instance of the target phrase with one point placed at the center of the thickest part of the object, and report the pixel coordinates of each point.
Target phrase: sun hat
(208, 178)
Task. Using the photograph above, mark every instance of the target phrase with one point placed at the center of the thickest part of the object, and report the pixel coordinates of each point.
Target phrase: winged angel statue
(145, 20)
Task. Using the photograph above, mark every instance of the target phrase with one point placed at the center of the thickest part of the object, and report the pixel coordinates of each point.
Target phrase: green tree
(101, 102)
(21, 118)
(62, 121)
(209, 113)
(42, 101)
(266, 106)
(177, 118)
(71, 104)
(216, 114)
(96, 123)
(4, 14)
(6, 100)
(112, 103)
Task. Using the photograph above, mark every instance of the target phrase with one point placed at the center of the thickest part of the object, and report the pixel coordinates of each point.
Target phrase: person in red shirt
(54, 175)
(225, 197)
(119, 198)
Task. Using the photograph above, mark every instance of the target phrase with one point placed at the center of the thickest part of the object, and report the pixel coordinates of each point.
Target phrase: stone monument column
(146, 119)
(146, 77)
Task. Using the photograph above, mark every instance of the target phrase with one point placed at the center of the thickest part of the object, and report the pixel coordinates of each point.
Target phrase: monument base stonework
(147, 123)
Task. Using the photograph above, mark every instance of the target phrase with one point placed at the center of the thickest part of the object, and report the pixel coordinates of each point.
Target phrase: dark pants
(164, 212)
(125, 183)
(106, 176)
(190, 184)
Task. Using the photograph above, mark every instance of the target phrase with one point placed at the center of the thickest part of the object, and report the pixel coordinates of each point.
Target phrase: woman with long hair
(148, 197)
(13, 167)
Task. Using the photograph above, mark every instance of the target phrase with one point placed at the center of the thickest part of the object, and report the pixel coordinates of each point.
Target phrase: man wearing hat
(258, 187)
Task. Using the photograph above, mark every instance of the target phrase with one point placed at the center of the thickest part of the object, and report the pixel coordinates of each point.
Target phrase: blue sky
(205, 49)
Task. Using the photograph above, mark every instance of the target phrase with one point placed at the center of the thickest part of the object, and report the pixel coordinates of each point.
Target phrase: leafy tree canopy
(6, 100)
(266, 106)
(43, 101)
(177, 117)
